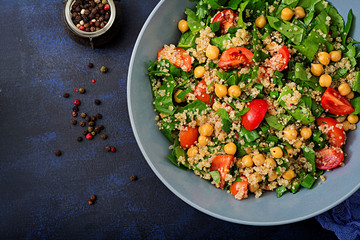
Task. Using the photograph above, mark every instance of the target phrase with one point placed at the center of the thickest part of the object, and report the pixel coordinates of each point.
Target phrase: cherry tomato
(334, 103)
(240, 186)
(255, 115)
(329, 158)
(201, 94)
(281, 59)
(235, 57)
(188, 136)
(222, 164)
(226, 19)
(179, 57)
(335, 134)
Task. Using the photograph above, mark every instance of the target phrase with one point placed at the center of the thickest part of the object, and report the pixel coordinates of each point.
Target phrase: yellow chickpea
(290, 133)
(346, 125)
(299, 12)
(234, 91)
(290, 152)
(191, 152)
(325, 80)
(351, 95)
(199, 72)
(220, 90)
(298, 144)
(335, 56)
(289, 174)
(239, 163)
(247, 161)
(276, 152)
(272, 176)
(212, 52)
(287, 14)
(216, 106)
(324, 58)
(259, 159)
(178, 100)
(344, 89)
(206, 130)
(162, 115)
(230, 148)
(255, 177)
(306, 132)
(203, 141)
(270, 162)
(254, 187)
(317, 69)
(183, 25)
(353, 118)
(260, 22)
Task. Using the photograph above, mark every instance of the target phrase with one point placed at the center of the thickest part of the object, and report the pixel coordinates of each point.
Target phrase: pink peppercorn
(113, 149)
(89, 136)
(82, 28)
(93, 81)
(74, 114)
(76, 90)
(107, 7)
(76, 102)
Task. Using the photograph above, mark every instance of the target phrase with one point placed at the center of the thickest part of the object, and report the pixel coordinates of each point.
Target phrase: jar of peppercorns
(92, 22)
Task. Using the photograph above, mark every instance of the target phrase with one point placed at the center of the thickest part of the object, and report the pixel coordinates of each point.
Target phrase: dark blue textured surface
(44, 196)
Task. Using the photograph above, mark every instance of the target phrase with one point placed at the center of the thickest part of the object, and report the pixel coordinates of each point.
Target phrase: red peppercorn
(74, 114)
(93, 81)
(113, 149)
(75, 4)
(91, 23)
(76, 90)
(89, 136)
(82, 28)
(107, 7)
(76, 102)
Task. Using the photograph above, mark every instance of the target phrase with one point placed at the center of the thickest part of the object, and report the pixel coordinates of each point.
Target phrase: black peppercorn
(133, 178)
(104, 136)
(97, 101)
(101, 127)
(87, 118)
(99, 116)
(57, 153)
(90, 65)
(82, 123)
(85, 133)
(75, 108)
(91, 123)
(107, 148)
(73, 122)
(93, 118)
(66, 95)
(79, 139)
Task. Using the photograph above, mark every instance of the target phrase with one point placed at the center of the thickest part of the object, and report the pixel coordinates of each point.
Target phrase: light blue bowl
(161, 28)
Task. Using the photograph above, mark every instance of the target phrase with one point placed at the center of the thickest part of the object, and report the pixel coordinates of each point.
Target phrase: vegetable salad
(258, 95)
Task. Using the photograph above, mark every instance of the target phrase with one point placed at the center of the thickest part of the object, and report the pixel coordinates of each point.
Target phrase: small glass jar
(96, 38)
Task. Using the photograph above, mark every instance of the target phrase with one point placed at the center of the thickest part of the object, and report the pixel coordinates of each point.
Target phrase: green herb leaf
(249, 136)
(193, 21)
(215, 176)
(356, 105)
(347, 26)
(280, 191)
(308, 181)
(309, 154)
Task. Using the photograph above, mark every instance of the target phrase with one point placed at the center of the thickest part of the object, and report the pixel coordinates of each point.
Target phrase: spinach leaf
(351, 52)
(294, 33)
(309, 154)
(316, 109)
(356, 104)
(336, 19)
(225, 120)
(193, 21)
(280, 191)
(308, 181)
(215, 176)
(242, 9)
(356, 83)
(234, 4)
(176, 153)
(215, 26)
(347, 26)
(163, 97)
(219, 41)
(249, 136)
(167, 128)
(187, 40)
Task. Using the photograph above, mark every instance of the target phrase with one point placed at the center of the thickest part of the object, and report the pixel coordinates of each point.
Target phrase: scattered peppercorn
(93, 133)
(90, 202)
(79, 139)
(133, 178)
(89, 136)
(82, 90)
(104, 136)
(74, 114)
(107, 148)
(75, 108)
(57, 153)
(76, 90)
(101, 127)
(93, 118)
(91, 123)
(83, 115)
(77, 102)
(97, 101)
(87, 118)
(93, 81)
(82, 123)
(93, 197)
(85, 133)
(73, 122)
(99, 116)
(97, 130)
(90, 65)
(112, 149)
(90, 129)
(66, 95)
(103, 69)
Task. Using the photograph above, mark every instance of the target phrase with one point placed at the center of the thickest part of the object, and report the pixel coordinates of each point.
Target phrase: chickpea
(239, 163)
(254, 187)
(191, 152)
(247, 161)
(298, 144)
(220, 90)
(255, 177)
(341, 119)
(299, 12)
(234, 91)
(216, 106)
(212, 52)
(272, 176)
(353, 118)
(178, 100)
(335, 56)
(344, 89)
(306, 132)
(289, 174)
(206, 130)
(260, 22)
(276, 152)
(290, 152)
(324, 58)
(270, 162)
(287, 14)
(325, 80)
(162, 115)
(350, 95)
(317, 69)
(230, 148)
(290, 133)
(203, 141)
(183, 25)
(346, 125)
(199, 72)
(259, 159)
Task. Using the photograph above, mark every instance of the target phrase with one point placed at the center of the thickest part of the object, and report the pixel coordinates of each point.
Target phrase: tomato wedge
(235, 57)
(179, 57)
(201, 94)
(281, 59)
(255, 115)
(188, 136)
(222, 164)
(334, 103)
(330, 127)
(329, 158)
(240, 186)
(226, 19)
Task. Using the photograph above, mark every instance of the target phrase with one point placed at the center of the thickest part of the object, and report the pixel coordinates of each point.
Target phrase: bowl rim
(163, 180)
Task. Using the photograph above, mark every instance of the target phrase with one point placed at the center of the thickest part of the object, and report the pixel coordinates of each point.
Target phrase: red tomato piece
(235, 57)
(335, 103)
(255, 115)
(222, 164)
(201, 94)
(281, 59)
(240, 186)
(226, 19)
(329, 158)
(334, 133)
(188, 136)
(179, 57)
